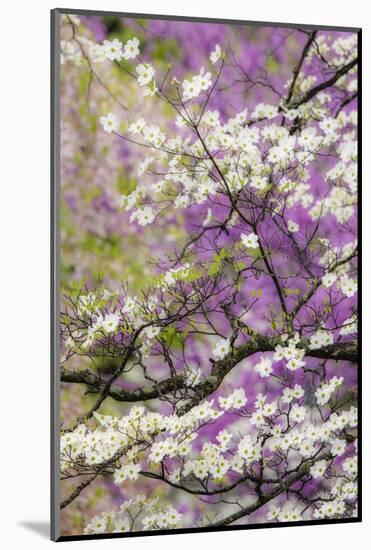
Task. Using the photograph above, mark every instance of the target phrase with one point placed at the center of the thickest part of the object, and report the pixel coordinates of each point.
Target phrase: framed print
(205, 302)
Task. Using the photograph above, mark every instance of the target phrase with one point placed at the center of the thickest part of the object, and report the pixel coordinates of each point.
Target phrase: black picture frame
(55, 274)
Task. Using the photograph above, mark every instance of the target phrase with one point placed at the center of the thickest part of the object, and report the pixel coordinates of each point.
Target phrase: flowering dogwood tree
(243, 341)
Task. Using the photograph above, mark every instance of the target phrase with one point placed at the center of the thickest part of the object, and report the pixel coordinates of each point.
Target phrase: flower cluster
(139, 510)
(292, 354)
(320, 339)
(199, 83)
(143, 435)
(324, 392)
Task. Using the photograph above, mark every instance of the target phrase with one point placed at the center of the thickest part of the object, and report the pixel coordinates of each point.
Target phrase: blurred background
(97, 241)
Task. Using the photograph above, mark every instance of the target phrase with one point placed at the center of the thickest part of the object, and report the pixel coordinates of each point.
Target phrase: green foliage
(165, 50)
(256, 292)
(193, 275)
(171, 337)
(217, 263)
(272, 65)
(124, 184)
(291, 291)
(253, 252)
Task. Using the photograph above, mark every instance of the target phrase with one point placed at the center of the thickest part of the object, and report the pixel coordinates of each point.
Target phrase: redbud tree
(209, 345)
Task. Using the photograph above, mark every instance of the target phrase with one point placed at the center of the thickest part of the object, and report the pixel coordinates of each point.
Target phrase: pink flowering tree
(233, 369)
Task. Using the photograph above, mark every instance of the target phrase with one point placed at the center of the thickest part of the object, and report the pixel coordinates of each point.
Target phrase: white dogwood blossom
(292, 226)
(349, 326)
(215, 54)
(145, 72)
(264, 367)
(131, 49)
(199, 83)
(320, 339)
(221, 349)
(250, 241)
(113, 49)
(329, 279)
(111, 321)
(129, 471)
(144, 216)
(324, 392)
(109, 122)
(318, 469)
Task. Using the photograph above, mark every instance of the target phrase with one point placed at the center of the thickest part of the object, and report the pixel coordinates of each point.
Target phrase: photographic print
(205, 300)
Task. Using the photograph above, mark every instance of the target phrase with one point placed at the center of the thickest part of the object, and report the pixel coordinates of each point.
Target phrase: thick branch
(145, 393)
(77, 491)
(326, 84)
(344, 351)
(198, 492)
(341, 351)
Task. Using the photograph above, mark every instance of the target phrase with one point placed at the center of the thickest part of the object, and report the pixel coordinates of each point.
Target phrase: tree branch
(263, 499)
(341, 351)
(326, 84)
(297, 69)
(77, 491)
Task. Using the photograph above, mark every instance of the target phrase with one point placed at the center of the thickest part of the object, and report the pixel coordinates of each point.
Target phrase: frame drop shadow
(41, 528)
